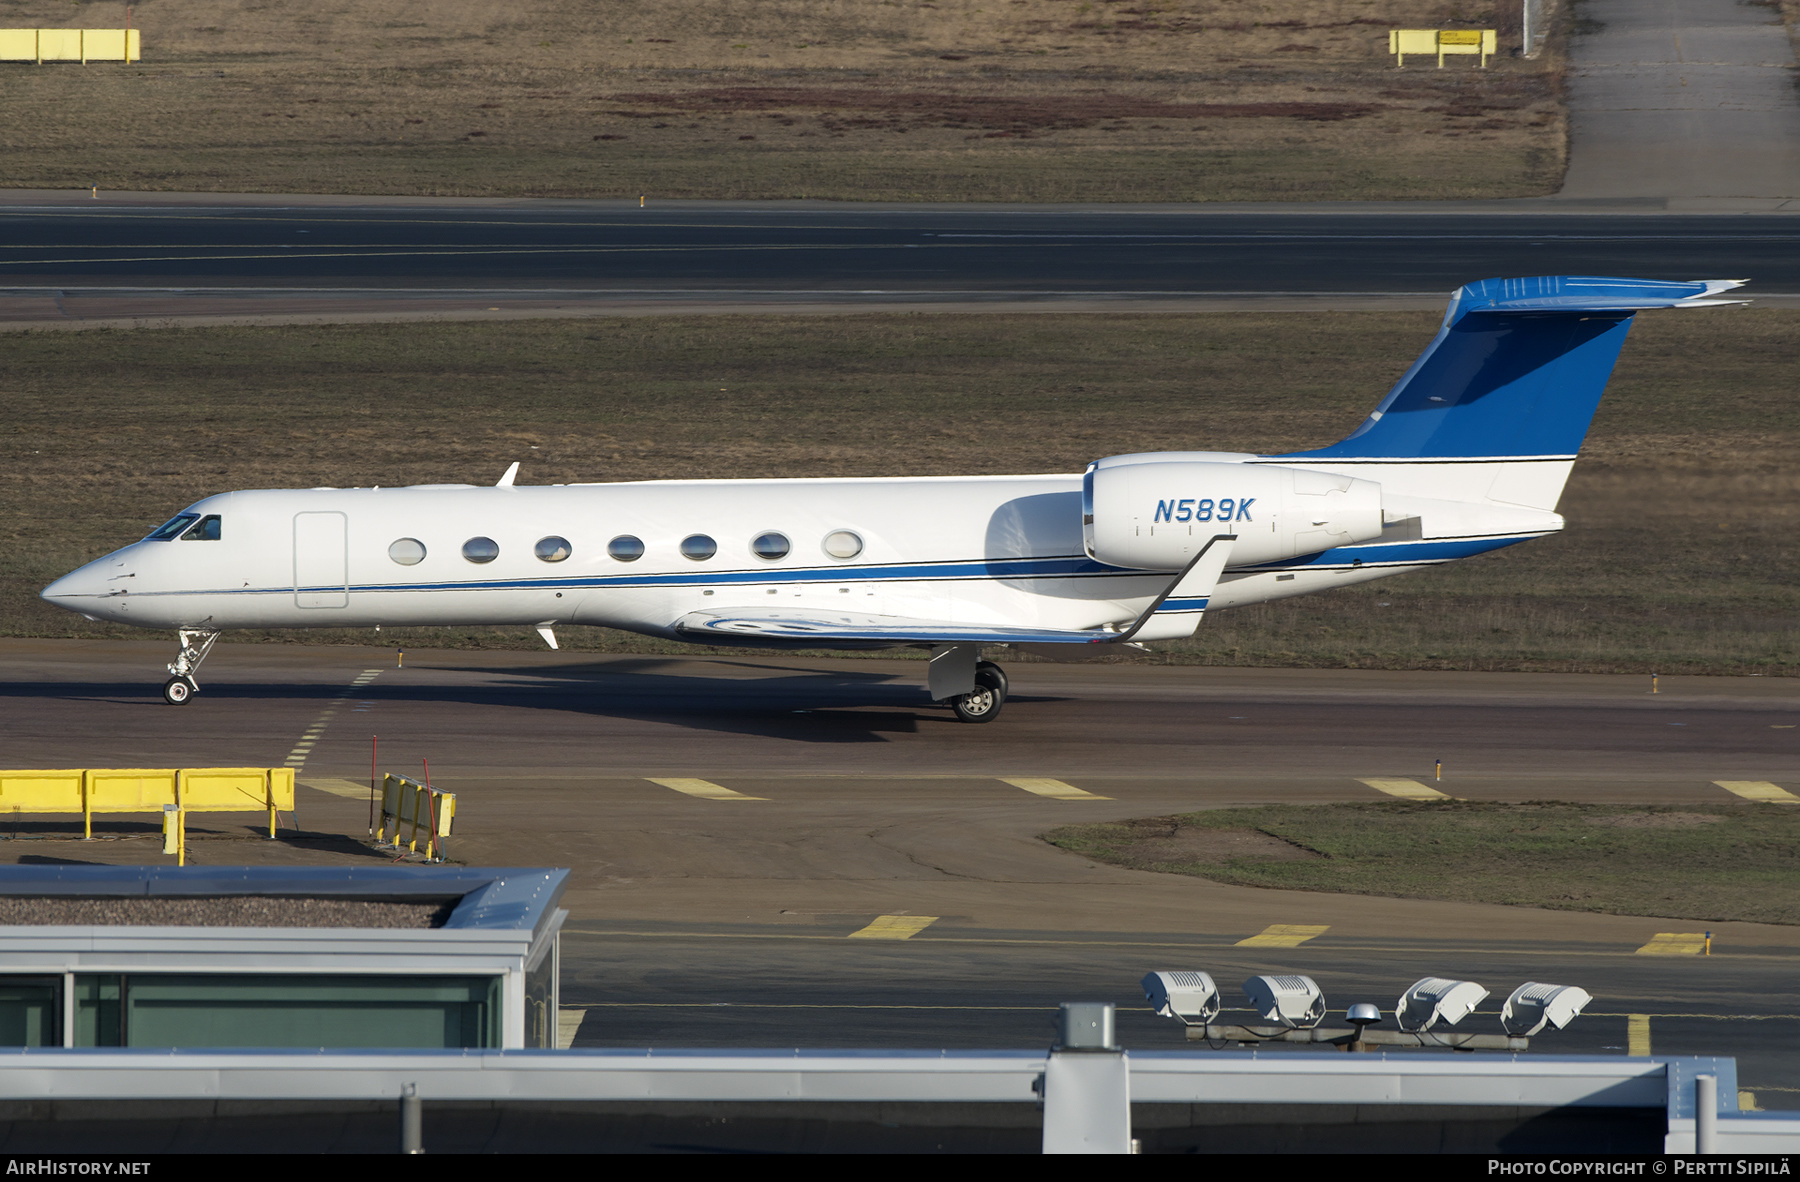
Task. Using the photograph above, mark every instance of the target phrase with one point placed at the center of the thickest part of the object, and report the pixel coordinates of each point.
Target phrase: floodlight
(1431, 1000)
(1191, 998)
(1437, 999)
(1533, 1005)
(1291, 1001)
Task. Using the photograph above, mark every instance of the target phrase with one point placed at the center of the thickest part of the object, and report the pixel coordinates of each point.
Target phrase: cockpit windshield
(206, 531)
(173, 528)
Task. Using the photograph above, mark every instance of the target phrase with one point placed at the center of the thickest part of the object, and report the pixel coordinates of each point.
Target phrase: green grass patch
(1707, 863)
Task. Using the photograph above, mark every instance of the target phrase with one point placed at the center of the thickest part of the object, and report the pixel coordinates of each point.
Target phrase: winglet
(507, 480)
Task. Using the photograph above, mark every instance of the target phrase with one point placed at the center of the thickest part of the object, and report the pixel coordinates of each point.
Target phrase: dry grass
(1700, 862)
(1679, 554)
(1013, 100)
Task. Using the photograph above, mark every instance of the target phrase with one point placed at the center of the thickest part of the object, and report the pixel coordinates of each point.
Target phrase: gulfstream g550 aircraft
(1467, 453)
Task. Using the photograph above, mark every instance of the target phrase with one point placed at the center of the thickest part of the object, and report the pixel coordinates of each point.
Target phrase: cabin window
(173, 528)
(770, 545)
(407, 551)
(481, 549)
(625, 548)
(553, 549)
(841, 543)
(698, 547)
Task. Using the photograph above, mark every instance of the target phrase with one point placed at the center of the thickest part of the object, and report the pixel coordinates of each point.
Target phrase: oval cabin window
(841, 543)
(407, 551)
(770, 545)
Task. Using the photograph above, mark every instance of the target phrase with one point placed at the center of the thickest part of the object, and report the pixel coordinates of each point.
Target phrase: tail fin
(1516, 371)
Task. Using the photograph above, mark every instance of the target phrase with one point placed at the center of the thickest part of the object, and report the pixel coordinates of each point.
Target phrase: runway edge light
(1533, 1005)
(1288, 1000)
(1431, 1000)
(1189, 997)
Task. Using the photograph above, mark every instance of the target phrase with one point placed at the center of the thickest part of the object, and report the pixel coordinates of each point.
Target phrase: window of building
(285, 1010)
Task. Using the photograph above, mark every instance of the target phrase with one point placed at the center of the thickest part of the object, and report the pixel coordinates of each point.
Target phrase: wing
(825, 627)
(1182, 602)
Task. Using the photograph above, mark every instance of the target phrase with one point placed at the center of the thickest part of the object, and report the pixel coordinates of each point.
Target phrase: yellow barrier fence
(149, 790)
(68, 45)
(1440, 42)
(405, 801)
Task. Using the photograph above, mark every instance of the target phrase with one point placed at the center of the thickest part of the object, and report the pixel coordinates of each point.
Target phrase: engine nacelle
(1155, 512)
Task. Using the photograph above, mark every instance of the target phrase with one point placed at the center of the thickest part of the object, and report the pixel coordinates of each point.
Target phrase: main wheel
(989, 667)
(178, 691)
(984, 702)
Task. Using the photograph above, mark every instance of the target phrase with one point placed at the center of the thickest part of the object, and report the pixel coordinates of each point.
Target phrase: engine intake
(1155, 512)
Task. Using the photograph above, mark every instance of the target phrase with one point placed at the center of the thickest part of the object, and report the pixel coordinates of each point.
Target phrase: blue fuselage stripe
(1053, 567)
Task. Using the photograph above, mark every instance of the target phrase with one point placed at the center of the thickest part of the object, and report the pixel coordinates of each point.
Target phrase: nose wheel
(195, 644)
(983, 703)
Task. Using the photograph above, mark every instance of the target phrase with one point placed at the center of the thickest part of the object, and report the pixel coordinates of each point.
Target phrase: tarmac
(1682, 99)
(737, 826)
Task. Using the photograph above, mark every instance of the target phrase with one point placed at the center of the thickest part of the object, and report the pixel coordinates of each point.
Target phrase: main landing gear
(982, 704)
(180, 689)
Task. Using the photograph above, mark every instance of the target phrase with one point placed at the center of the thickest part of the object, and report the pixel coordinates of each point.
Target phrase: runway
(232, 258)
(731, 917)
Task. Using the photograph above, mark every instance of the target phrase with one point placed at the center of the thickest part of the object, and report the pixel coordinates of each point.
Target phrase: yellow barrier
(406, 801)
(1440, 42)
(149, 790)
(68, 45)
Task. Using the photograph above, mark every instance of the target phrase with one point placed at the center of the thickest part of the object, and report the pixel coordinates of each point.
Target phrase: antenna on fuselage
(507, 480)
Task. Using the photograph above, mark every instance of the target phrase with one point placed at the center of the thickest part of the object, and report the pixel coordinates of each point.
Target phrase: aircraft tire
(983, 704)
(178, 691)
(997, 671)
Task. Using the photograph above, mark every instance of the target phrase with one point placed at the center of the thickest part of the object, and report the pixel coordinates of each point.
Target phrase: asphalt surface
(1682, 98)
(70, 262)
(728, 921)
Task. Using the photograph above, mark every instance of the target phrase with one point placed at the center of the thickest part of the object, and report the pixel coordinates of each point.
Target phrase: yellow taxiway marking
(1055, 789)
(894, 927)
(705, 789)
(1284, 935)
(1408, 789)
(1637, 1036)
(348, 789)
(1759, 790)
(296, 758)
(1674, 944)
(568, 1021)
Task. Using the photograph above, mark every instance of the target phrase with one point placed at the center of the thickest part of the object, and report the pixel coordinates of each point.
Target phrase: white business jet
(1469, 452)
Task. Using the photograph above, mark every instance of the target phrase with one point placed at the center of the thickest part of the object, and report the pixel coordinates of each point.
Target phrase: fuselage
(1000, 550)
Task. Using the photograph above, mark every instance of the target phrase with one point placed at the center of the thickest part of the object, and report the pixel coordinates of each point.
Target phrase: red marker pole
(430, 812)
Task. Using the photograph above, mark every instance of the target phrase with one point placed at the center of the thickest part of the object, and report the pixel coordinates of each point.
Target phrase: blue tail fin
(1516, 371)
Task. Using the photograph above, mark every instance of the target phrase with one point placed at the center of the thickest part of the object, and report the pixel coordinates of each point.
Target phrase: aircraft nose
(74, 590)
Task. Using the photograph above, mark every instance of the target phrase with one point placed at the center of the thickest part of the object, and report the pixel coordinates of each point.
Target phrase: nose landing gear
(195, 644)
